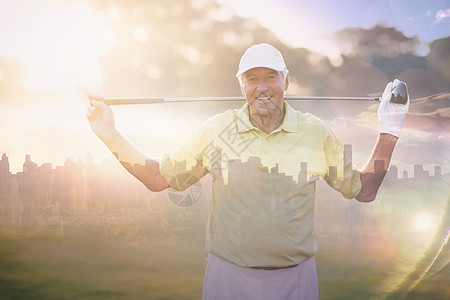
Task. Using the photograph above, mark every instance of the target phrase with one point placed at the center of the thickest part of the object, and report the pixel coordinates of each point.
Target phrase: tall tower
(28, 165)
(4, 166)
(348, 155)
(332, 170)
(392, 174)
(437, 171)
(419, 173)
(303, 174)
(4, 174)
(379, 167)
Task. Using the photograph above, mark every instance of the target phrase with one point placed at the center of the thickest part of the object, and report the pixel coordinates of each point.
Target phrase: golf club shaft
(219, 99)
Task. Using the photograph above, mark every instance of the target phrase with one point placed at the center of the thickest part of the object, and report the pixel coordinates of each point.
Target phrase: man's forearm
(136, 162)
(373, 173)
(122, 148)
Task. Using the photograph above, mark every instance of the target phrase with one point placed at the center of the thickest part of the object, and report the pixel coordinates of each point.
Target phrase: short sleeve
(184, 167)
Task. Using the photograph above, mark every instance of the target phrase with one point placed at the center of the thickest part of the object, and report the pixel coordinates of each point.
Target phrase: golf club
(398, 95)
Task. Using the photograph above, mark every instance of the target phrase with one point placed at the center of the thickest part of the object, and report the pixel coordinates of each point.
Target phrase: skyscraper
(4, 174)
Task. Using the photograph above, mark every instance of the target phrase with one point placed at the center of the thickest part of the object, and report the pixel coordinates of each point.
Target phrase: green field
(366, 251)
(89, 265)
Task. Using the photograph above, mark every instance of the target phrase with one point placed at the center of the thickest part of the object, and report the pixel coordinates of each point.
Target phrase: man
(265, 159)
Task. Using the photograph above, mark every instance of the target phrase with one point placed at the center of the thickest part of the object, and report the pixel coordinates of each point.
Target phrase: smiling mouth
(263, 98)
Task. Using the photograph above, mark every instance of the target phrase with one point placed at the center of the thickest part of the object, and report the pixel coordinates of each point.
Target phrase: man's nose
(262, 85)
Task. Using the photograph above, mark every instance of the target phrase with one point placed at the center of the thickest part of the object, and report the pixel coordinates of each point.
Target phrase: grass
(90, 262)
(89, 266)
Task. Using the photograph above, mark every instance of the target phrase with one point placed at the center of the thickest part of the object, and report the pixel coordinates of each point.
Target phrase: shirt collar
(289, 124)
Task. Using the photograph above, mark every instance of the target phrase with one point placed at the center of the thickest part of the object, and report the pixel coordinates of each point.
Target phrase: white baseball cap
(261, 55)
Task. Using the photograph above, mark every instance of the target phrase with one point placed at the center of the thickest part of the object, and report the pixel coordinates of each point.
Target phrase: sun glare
(59, 43)
(422, 222)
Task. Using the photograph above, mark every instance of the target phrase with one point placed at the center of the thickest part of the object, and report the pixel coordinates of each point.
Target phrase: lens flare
(423, 222)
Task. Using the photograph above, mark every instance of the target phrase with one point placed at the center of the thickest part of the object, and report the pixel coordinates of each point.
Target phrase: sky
(28, 29)
(60, 45)
(310, 23)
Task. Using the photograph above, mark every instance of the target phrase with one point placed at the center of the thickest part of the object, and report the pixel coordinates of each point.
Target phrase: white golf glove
(391, 115)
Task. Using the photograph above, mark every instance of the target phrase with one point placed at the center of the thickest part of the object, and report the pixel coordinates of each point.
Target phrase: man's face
(264, 90)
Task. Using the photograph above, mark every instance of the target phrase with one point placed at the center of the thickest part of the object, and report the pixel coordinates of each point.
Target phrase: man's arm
(371, 176)
(390, 117)
(141, 166)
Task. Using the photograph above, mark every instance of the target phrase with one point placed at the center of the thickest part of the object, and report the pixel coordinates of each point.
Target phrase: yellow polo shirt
(262, 209)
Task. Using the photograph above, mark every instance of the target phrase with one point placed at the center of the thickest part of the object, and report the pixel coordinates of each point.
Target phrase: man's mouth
(263, 98)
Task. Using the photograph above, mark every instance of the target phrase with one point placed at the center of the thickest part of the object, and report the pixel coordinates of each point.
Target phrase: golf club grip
(400, 93)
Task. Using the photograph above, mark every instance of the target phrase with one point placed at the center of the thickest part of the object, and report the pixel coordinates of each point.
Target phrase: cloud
(427, 14)
(442, 14)
(424, 138)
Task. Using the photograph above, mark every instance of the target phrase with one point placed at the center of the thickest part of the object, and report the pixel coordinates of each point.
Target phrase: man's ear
(241, 86)
(242, 90)
(286, 84)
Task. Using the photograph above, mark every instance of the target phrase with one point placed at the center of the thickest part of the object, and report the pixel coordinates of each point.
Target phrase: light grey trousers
(227, 281)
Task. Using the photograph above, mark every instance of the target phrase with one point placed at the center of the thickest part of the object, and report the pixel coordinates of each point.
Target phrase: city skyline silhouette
(79, 186)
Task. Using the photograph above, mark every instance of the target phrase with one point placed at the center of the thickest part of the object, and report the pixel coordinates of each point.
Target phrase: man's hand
(145, 169)
(391, 115)
(100, 116)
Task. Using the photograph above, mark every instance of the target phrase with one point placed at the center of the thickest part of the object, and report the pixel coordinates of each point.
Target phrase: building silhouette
(46, 196)
(43, 196)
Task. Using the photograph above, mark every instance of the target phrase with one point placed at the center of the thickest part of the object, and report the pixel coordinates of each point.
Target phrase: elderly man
(265, 159)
